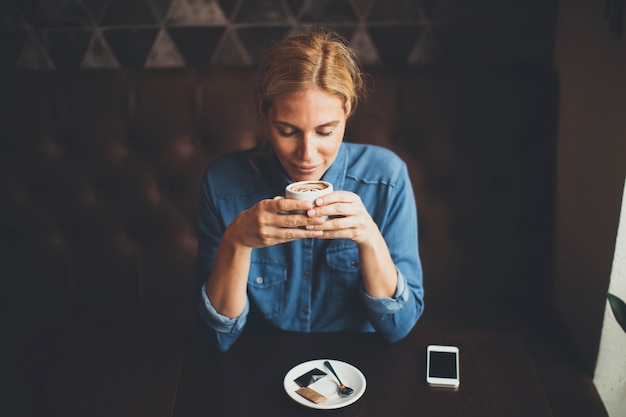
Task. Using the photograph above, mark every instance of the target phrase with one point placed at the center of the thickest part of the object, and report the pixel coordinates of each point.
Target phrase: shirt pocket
(344, 271)
(266, 286)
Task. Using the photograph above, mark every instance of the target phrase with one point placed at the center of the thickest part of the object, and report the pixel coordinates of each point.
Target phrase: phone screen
(442, 365)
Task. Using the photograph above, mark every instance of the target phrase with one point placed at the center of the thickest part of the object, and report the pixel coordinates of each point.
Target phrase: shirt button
(305, 310)
(307, 274)
(259, 280)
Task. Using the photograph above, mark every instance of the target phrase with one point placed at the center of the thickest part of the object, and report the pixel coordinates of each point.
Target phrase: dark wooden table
(497, 377)
(138, 372)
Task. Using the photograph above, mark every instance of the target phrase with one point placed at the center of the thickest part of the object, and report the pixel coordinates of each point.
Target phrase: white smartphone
(442, 366)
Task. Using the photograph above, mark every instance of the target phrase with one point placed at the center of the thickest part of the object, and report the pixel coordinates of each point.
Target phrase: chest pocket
(266, 286)
(345, 271)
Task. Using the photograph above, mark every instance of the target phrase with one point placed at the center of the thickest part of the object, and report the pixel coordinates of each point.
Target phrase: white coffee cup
(308, 190)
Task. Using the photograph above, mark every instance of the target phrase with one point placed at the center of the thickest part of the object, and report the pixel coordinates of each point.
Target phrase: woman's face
(306, 129)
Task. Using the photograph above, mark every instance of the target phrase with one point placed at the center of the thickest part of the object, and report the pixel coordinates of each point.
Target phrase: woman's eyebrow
(330, 124)
(283, 124)
(286, 124)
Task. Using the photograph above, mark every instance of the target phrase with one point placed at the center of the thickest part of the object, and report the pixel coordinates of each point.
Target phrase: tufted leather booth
(100, 176)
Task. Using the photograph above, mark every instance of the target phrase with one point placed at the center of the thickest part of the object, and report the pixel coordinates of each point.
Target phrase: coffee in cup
(308, 190)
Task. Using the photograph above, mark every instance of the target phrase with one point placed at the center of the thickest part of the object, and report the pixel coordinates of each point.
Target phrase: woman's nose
(307, 148)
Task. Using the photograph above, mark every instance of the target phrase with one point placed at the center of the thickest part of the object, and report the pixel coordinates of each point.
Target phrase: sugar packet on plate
(311, 395)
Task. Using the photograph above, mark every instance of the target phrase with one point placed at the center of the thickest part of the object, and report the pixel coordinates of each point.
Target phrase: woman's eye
(325, 133)
(286, 133)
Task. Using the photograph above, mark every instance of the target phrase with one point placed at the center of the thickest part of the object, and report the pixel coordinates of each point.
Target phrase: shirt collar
(336, 173)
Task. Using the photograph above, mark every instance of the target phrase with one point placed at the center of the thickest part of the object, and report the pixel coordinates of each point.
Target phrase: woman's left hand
(341, 214)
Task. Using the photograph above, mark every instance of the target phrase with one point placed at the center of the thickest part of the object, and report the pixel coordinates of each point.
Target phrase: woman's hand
(347, 218)
(266, 223)
(270, 222)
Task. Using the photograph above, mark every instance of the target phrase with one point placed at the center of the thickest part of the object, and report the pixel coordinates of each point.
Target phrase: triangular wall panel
(164, 53)
(195, 13)
(197, 43)
(99, 54)
(34, 55)
(131, 46)
(231, 53)
(124, 13)
(261, 11)
(202, 33)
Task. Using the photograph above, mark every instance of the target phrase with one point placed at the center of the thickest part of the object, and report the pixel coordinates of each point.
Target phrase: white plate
(328, 385)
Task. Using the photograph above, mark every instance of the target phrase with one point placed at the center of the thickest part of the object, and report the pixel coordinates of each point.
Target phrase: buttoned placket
(304, 295)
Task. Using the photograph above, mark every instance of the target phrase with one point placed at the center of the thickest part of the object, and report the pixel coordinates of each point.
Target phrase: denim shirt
(313, 285)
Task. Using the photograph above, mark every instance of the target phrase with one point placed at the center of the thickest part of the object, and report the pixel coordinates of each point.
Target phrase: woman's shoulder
(373, 153)
(248, 163)
(372, 161)
(231, 161)
(243, 170)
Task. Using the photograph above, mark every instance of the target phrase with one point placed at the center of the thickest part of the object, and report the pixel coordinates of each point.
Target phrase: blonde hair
(320, 59)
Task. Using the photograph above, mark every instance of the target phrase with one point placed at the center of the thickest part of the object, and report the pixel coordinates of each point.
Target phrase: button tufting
(51, 149)
(56, 241)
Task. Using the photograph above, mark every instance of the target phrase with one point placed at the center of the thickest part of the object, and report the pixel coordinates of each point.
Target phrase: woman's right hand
(270, 222)
(266, 223)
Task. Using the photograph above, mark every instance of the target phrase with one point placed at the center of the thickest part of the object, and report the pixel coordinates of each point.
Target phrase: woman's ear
(348, 110)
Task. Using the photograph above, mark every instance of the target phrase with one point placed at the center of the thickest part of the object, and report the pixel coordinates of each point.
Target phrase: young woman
(350, 262)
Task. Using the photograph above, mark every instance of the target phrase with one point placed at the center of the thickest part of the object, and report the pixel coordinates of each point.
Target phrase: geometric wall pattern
(109, 34)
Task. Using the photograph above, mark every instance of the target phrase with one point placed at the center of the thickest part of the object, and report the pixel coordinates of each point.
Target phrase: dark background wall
(591, 62)
(572, 36)
(72, 34)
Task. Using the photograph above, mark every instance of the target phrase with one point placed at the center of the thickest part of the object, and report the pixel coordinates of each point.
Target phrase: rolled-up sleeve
(387, 305)
(220, 331)
(393, 318)
(217, 321)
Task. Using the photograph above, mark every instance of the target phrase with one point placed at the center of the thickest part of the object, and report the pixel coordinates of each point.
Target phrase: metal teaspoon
(343, 389)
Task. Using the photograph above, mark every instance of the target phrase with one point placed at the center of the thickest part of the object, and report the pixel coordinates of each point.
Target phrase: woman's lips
(306, 169)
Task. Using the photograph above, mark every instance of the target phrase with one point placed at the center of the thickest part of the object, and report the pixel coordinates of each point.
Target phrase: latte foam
(306, 188)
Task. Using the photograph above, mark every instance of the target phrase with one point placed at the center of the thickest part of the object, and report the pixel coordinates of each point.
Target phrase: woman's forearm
(227, 282)
(380, 277)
